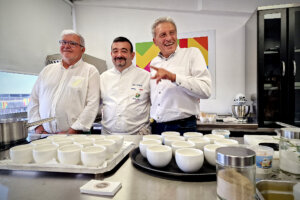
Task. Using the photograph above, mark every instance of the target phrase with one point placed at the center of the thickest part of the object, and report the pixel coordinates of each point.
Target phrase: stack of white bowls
(90, 151)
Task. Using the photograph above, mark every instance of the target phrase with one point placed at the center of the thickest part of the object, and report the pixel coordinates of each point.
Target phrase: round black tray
(171, 171)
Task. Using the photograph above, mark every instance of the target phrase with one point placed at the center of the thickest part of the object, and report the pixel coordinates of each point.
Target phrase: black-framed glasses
(71, 43)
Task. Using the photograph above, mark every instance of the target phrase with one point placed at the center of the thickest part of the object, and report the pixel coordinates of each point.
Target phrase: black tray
(171, 171)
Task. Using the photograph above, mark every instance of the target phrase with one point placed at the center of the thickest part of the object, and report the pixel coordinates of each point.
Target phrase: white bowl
(159, 155)
(110, 145)
(224, 132)
(119, 139)
(144, 144)
(212, 137)
(40, 142)
(199, 142)
(210, 153)
(180, 145)
(169, 139)
(62, 141)
(21, 154)
(69, 154)
(77, 136)
(84, 142)
(52, 137)
(93, 156)
(170, 133)
(189, 160)
(153, 137)
(96, 137)
(188, 135)
(226, 142)
(44, 153)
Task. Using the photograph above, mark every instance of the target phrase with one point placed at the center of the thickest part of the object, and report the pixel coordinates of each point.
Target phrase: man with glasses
(125, 93)
(68, 90)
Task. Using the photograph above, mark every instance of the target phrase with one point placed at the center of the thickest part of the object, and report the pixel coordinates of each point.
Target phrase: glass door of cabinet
(272, 63)
(294, 63)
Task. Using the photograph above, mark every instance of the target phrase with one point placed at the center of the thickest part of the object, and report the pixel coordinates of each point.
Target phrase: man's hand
(163, 74)
(69, 131)
(40, 130)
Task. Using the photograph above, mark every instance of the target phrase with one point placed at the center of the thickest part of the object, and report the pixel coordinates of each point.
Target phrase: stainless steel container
(13, 130)
(235, 173)
(240, 111)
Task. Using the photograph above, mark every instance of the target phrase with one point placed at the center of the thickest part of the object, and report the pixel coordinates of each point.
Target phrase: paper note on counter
(97, 187)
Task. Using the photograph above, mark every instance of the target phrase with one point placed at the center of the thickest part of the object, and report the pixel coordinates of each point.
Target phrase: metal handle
(39, 122)
(283, 68)
(295, 67)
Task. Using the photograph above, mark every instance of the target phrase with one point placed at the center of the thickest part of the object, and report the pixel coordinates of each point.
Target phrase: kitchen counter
(136, 185)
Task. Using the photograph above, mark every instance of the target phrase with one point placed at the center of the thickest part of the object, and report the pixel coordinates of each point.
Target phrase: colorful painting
(146, 51)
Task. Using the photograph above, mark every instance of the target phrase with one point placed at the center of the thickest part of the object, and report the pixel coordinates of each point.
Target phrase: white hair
(162, 20)
(72, 32)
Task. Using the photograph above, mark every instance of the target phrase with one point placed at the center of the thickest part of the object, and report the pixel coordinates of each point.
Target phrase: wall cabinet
(275, 62)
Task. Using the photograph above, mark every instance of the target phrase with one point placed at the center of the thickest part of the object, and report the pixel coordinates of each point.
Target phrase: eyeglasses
(71, 43)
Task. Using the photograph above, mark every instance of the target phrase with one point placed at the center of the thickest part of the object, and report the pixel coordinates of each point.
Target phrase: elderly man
(68, 91)
(125, 93)
(179, 79)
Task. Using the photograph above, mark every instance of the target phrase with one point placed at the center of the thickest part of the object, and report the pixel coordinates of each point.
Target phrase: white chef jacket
(125, 98)
(70, 95)
(180, 99)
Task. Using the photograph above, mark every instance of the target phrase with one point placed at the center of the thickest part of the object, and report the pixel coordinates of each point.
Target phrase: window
(15, 91)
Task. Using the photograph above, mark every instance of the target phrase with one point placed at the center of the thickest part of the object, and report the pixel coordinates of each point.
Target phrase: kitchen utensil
(12, 130)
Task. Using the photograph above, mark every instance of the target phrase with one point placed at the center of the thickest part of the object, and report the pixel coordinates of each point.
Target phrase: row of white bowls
(189, 150)
(91, 151)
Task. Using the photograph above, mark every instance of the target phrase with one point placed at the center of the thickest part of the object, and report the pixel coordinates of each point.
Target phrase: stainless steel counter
(136, 185)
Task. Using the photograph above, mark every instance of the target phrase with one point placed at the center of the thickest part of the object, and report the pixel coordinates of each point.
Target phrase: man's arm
(197, 84)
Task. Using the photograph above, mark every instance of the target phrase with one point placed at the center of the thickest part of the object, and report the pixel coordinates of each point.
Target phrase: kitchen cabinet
(273, 58)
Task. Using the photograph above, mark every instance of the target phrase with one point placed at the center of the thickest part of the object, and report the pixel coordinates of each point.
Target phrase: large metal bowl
(240, 111)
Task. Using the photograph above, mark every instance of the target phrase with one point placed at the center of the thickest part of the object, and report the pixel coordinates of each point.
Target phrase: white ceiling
(233, 6)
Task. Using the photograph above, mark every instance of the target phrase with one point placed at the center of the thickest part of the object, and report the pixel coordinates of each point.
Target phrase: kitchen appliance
(98, 63)
(16, 130)
(240, 110)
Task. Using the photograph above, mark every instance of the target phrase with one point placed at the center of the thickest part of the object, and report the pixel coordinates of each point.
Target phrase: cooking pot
(12, 130)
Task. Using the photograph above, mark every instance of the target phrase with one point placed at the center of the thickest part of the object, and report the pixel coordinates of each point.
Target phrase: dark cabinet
(277, 84)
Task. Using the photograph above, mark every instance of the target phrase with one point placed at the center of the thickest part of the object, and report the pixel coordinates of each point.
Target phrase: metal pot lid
(290, 133)
(235, 156)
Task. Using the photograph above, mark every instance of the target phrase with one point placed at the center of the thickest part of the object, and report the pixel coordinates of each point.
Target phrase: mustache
(120, 58)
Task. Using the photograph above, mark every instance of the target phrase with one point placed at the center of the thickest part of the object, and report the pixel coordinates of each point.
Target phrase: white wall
(29, 31)
(100, 25)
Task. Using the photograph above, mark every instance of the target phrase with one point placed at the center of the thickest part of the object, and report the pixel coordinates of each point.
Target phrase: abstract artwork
(146, 51)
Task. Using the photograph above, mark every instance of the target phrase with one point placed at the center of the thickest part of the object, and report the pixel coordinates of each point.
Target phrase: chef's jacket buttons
(158, 104)
(157, 117)
(159, 92)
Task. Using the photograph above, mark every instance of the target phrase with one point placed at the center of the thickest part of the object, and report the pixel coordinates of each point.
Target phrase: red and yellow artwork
(146, 51)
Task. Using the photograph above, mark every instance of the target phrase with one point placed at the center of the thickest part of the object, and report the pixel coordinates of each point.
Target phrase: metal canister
(289, 150)
(235, 173)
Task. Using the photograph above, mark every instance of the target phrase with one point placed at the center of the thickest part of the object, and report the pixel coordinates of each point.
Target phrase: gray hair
(72, 32)
(162, 20)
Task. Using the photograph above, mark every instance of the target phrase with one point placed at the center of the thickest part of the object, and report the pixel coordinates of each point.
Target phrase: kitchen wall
(29, 31)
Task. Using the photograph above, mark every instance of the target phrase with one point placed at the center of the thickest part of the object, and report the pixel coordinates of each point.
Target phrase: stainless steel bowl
(240, 111)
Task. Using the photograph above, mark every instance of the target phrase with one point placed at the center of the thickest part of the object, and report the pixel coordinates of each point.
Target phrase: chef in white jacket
(68, 90)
